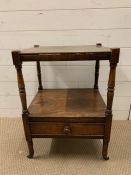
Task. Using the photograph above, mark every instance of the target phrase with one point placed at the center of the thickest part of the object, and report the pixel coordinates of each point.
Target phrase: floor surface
(63, 156)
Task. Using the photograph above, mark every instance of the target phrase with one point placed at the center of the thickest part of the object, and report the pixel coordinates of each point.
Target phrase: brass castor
(30, 156)
(105, 157)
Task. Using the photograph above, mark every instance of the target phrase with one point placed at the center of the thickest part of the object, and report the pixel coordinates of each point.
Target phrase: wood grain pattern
(80, 129)
(20, 18)
(63, 108)
(66, 53)
(18, 64)
(110, 95)
(67, 103)
(65, 49)
(125, 60)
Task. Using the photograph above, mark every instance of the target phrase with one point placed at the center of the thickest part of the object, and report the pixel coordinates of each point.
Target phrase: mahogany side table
(68, 113)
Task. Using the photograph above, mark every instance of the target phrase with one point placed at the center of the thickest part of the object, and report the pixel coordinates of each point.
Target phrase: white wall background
(64, 22)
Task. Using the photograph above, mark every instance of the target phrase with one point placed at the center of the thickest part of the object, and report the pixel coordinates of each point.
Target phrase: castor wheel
(30, 156)
(105, 157)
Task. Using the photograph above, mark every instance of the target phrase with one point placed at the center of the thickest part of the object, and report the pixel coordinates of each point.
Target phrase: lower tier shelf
(75, 105)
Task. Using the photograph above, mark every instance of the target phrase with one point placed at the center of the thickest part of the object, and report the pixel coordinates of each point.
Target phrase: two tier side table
(67, 113)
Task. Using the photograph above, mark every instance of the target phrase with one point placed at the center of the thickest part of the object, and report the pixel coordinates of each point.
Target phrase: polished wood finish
(22, 93)
(70, 129)
(20, 79)
(66, 53)
(110, 94)
(66, 49)
(67, 112)
(69, 103)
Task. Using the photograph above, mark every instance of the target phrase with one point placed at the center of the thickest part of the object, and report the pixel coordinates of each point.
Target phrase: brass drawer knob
(67, 130)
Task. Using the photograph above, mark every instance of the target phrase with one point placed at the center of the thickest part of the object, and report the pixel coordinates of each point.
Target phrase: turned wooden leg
(105, 149)
(31, 149)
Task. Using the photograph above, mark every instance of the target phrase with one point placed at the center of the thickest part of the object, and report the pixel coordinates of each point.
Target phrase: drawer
(48, 128)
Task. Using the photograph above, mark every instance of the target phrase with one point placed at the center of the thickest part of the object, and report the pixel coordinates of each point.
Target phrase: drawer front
(47, 128)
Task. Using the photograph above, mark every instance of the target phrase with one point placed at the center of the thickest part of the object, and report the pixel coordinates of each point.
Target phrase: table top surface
(66, 49)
